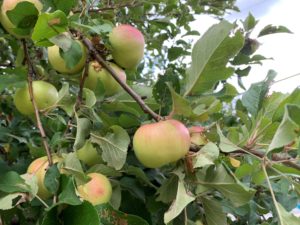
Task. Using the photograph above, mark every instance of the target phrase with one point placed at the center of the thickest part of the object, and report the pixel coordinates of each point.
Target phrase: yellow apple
(45, 95)
(88, 154)
(59, 64)
(8, 5)
(111, 86)
(97, 191)
(160, 143)
(39, 168)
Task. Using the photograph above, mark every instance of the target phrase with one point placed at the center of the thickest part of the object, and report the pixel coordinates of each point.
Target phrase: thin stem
(30, 77)
(185, 217)
(123, 84)
(272, 193)
(295, 75)
(82, 81)
(42, 201)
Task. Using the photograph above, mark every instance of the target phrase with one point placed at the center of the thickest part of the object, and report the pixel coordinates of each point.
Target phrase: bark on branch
(126, 87)
(30, 78)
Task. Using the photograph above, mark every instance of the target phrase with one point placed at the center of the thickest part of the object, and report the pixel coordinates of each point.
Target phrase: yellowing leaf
(234, 162)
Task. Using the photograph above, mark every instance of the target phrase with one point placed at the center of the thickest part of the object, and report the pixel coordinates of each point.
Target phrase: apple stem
(123, 84)
(30, 76)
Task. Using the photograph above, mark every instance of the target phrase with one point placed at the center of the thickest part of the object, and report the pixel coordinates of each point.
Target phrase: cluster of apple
(155, 144)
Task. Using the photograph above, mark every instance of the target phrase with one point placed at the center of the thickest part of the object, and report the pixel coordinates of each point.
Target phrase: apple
(97, 191)
(45, 95)
(39, 168)
(160, 143)
(111, 86)
(8, 5)
(197, 135)
(88, 154)
(59, 64)
(127, 46)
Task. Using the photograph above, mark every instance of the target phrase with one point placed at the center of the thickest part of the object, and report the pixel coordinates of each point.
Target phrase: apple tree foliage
(246, 171)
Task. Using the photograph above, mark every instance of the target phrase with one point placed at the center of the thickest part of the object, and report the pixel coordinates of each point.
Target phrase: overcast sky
(283, 48)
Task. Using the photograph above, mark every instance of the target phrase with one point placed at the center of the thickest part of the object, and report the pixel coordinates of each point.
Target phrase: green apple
(59, 64)
(127, 46)
(197, 135)
(45, 95)
(111, 86)
(88, 154)
(97, 191)
(39, 168)
(160, 143)
(8, 5)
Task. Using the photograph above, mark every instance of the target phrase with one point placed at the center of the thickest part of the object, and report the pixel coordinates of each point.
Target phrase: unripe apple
(88, 154)
(197, 135)
(59, 64)
(45, 95)
(160, 143)
(8, 5)
(39, 168)
(111, 86)
(127, 46)
(97, 191)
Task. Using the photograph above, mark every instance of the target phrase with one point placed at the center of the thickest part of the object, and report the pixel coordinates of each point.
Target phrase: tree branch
(112, 7)
(30, 78)
(275, 158)
(126, 87)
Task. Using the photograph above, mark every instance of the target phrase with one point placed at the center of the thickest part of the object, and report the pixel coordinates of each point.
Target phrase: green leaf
(213, 212)
(271, 29)
(225, 144)
(206, 156)
(288, 129)
(73, 55)
(65, 100)
(83, 131)
(68, 194)
(293, 98)
(183, 198)
(249, 22)
(114, 146)
(31, 181)
(139, 174)
(49, 25)
(13, 78)
(8, 201)
(253, 98)
(50, 217)
(287, 218)
(82, 214)
(181, 106)
(210, 57)
(109, 216)
(166, 192)
(237, 193)
(89, 97)
(64, 6)
(12, 182)
(24, 17)
(105, 170)
(227, 93)
(73, 166)
(51, 181)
